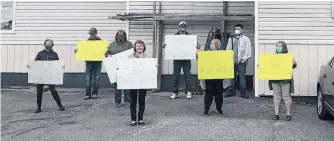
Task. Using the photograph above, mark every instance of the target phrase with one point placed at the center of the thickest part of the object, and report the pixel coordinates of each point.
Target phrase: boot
(61, 108)
(244, 94)
(38, 110)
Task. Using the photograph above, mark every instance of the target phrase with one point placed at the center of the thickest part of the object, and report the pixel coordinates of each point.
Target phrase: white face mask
(237, 32)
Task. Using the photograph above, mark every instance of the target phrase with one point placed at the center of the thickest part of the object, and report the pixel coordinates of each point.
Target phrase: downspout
(256, 14)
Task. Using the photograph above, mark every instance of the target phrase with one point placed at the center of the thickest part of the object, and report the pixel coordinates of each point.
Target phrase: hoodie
(117, 47)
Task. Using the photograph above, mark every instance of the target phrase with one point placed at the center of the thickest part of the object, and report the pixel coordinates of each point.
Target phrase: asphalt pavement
(166, 119)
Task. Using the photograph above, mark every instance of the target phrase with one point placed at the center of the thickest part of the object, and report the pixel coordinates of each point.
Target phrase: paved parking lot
(167, 120)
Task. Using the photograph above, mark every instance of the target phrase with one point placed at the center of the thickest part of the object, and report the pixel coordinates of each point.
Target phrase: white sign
(46, 72)
(137, 73)
(111, 62)
(180, 47)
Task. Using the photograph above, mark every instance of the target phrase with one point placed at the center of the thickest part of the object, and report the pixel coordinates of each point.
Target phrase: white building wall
(144, 29)
(64, 22)
(307, 28)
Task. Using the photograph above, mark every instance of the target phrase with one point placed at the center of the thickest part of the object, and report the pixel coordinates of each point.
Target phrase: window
(8, 16)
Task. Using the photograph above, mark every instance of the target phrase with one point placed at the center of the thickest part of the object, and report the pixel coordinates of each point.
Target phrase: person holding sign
(119, 45)
(184, 64)
(242, 48)
(282, 88)
(93, 71)
(47, 54)
(139, 52)
(214, 88)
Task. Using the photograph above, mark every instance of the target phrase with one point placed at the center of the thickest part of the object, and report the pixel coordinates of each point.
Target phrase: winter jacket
(47, 55)
(117, 47)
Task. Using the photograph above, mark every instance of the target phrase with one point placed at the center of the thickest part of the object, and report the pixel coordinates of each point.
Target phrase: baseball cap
(92, 30)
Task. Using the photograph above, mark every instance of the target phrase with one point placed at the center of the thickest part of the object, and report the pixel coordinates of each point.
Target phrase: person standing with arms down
(282, 88)
(242, 48)
(46, 55)
(119, 45)
(184, 64)
(93, 71)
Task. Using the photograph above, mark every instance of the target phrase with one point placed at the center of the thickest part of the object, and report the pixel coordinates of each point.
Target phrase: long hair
(284, 46)
(124, 33)
(217, 44)
(139, 42)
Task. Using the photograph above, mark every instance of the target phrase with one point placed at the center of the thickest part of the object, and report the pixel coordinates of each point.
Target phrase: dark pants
(118, 94)
(53, 92)
(186, 66)
(93, 71)
(214, 88)
(133, 106)
(208, 98)
(239, 69)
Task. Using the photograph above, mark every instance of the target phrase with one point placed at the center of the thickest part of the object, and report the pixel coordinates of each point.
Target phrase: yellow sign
(215, 65)
(275, 66)
(91, 50)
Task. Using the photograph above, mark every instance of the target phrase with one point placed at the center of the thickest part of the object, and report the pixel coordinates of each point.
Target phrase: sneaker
(220, 112)
(288, 118)
(173, 96)
(141, 122)
(87, 97)
(117, 105)
(276, 117)
(206, 113)
(133, 123)
(61, 108)
(127, 104)
(94, 96)
(245, 95)
(188, 95)
(38, 111)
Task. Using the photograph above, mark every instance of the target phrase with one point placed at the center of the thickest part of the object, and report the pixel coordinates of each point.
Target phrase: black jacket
(47, 55)
(179, 33)
(214, 86)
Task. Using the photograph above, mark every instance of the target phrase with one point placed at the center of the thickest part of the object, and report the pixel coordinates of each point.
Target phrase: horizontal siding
(64, 22)
(15, 58)
(309, 59)
(143, 29)
(294, 22)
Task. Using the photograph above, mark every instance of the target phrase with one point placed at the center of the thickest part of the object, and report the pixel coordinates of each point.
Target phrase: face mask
(183, 29)
(279, 49)
(48, 47)
(237, 32)
(212, 47)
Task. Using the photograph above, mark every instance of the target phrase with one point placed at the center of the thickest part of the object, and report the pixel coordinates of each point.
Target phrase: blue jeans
(239, 73)
(118, 94)
(93, 71)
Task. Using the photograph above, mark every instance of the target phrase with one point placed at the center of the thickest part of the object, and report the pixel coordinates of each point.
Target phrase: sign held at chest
(46, 72)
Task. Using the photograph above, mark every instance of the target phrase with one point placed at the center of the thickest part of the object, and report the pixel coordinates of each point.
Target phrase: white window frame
(13, 21)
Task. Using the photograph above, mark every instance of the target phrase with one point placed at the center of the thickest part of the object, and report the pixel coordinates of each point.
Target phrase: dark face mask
(48, 47)
(92, 35)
